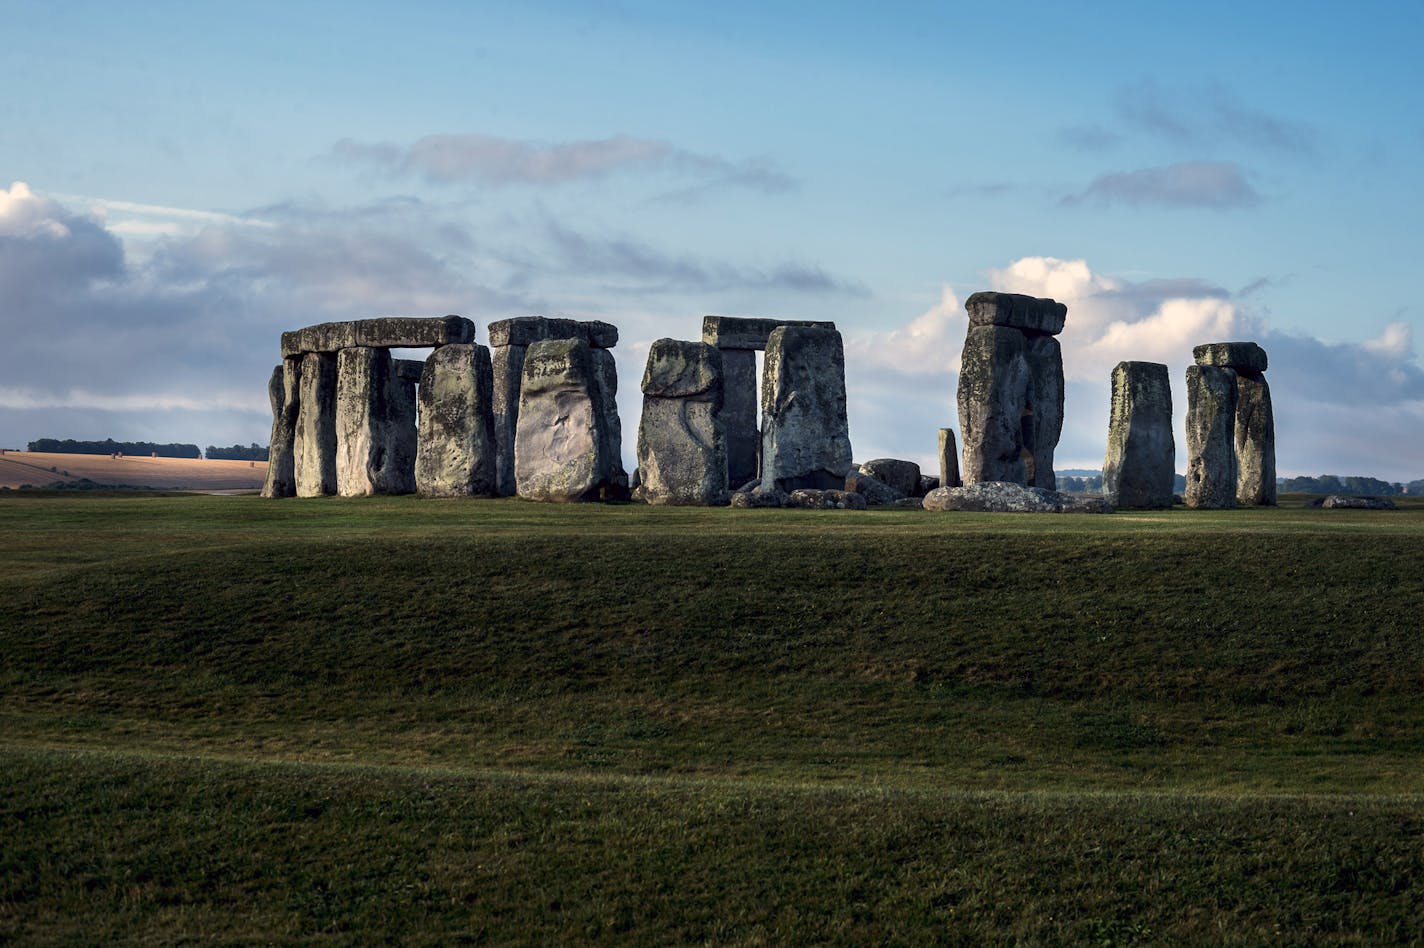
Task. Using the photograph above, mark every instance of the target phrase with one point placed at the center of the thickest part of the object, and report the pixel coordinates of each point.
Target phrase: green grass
(233, 718)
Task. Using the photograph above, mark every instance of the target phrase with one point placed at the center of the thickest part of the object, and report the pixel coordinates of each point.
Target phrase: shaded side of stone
(1255, 441)
(744, 332)
(948, 459)
(455, 455)
(375, 425)
(283, 390)
(876, 492)
(1139, 467)
(901, 476)
(314, 457)
(1016, 311)
(1211, 440)
(1241, 356)
(613, 478)
(739, 415)
(507, 365)
(805, 434)
(559, 439)
(1044, 422)
(993, 395)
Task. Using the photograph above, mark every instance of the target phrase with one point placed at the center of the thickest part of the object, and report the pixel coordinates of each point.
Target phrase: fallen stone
(902, 476)
(390, 332)
(1241, 356)
(910, 503)
(740, 332)
(1004, 497)
(928, 483)
(826, 499)
(1140, 466)
(805, 435)
(749, 486)
(1016, 311)
(1211, 443)
(760, 498)
(875, 491)
(1350, 502)
(1255, 441)
(455, 453)
(559, 438)
(682, 448)
(994, 382)
(284, 393)
(948, 459)
(314, 456)
(375, 425)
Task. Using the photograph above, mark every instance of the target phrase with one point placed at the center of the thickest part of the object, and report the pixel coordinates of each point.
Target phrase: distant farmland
(18, 468)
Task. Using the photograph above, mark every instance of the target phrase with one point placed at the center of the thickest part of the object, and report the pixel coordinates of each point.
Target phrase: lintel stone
(1031, 314)
(749, 332)
(1241, 356)
(386, 332)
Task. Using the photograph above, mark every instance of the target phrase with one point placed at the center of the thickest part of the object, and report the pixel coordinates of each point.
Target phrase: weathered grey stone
(739, 415)
(682, 447)
(527, 330)
(875, 491)
(1044, 423)
(284, 392)
(1350, 502)
(391, 332)
(1016, 311)
(805, 435)
(749, 486)
(929, 482)
(507, 364)
(1211, 444)
(910, 503)
(948, 459)
(901, 476)
(455, 453)
(375, 425)
(410, 370)
(1003, 497)
(600, 335)
(1140, 465)
(760, 498)
(1255, 441)
(741, 332)
(994, 381)
(814, 499)
(559, 440)
(1241, 356)
(613, 480)
(314, 458)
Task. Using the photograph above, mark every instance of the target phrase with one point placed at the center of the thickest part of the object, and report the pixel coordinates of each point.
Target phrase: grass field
(229, 718)
(40, 469)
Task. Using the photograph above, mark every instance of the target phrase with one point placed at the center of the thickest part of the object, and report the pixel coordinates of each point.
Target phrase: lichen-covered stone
(994, 381)
(1045, 404)
(928, 482)
(507, 366)
(1140, 465)
(948, 459)
(813, 499)
(314, 456)
(760, 498)
(559, 439)
(527, 330)
(1255, 441)
(375, 425)
(741, 332)
(284, 393)
(1211, 442)
(876, 492)
(1016, 311)
(680, 369)
(391, 332)
(1004, 497)
(1349, 502)
(455, 454)
(805, 434)
(1241, 356)
(682, 447)
(901, 476)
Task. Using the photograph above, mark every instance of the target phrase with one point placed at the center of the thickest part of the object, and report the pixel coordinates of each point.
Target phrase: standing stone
(284, 393)
(994, 380)
(1211, 444)
(1045, 407)
(508, 368)
(559, 441)
(739, 415)
(948, 459)
(1140, 466)
(375, 425)
(805, 434)
(605, 400)
(455, 453)
(1255, 441)
(682, 447)
(314, 460)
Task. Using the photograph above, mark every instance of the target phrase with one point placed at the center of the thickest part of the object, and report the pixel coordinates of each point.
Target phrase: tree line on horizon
(237, 452)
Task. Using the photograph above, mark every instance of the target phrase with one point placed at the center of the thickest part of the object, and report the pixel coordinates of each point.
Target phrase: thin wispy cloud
(498, 162)
(1218, 185)
(1212, 115)
(1088, 137)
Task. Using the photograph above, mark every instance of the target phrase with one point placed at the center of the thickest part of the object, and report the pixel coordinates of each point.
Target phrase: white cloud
(25, 215)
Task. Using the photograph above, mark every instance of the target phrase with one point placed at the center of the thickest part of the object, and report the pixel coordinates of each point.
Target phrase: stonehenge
(682, 443)
(1231, 430)
(282, 390)
(948, 459)
(455, 450)
(805, 434)
(560, 441)
(314, 454)
(1140, 465)
(1211, 436)
(1011, 389)
(375, 424)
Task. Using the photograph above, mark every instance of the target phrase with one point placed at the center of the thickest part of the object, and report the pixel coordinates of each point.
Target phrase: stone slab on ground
(1006, 497)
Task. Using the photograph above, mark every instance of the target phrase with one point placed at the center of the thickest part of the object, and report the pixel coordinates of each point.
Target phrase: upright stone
(805, 435)
(283, 390)
(455, 454)
(605, 400)
(739, 415)
(314, 459)
(1045, 408)
(375, 425)
(1211, 444)
(559, 441)
(994, 379)
(682, 447)
(948, 459)
(1140, 466)
(508, 369)
(1255, 441)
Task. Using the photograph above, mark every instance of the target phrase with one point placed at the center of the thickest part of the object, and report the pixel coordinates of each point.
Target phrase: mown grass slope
(278, 719)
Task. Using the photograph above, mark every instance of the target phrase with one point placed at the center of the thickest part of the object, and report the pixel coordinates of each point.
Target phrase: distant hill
(79, 471)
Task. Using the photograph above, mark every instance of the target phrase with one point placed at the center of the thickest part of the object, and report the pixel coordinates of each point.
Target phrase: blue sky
(199, 176)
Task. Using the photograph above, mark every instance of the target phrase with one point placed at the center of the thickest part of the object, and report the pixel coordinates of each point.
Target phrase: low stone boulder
(928, 483)
(903, 476)
(749, 486)
(875, 491)
(910, 503)
(760, 498)
(813, 499)
(1005, 497)
(1348, 502)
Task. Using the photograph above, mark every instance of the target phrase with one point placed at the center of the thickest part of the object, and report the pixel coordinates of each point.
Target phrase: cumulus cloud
(495, 161)
(1219, 185)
